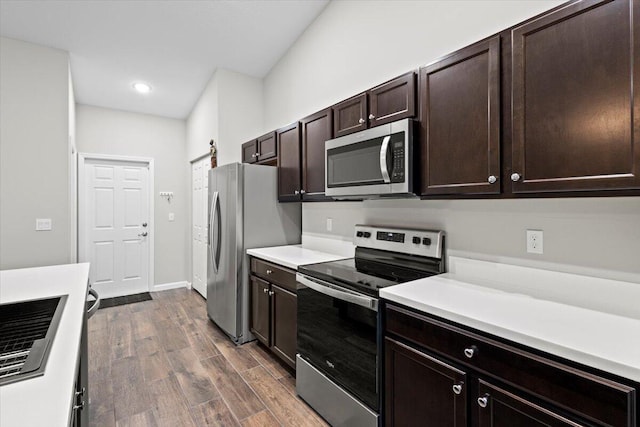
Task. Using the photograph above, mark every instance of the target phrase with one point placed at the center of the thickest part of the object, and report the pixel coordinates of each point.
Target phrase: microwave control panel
(397, 169)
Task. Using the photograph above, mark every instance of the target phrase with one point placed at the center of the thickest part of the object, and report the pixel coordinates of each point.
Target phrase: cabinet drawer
(275, 274)
(592, 397)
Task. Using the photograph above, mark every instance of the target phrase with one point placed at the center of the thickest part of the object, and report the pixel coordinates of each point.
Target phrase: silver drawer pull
(265, 290)
(470, 351)
(271, 293)
(483, 401)
(492, 179)
(457, 388)
(361, 121)
(515, 177)
(269, 271)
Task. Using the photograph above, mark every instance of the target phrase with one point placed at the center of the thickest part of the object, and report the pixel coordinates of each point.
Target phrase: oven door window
(339, 339)
(355, 164)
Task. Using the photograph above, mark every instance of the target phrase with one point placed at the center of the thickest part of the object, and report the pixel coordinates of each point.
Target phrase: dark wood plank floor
(164, 363)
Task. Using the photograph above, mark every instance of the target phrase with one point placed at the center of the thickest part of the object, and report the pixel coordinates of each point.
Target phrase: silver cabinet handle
(80, 406)
(361, 121)
(470, 351)
(296, 192)
(253, 155)
(371, 117)
(143, 234)
(457, 388)
(271, 293)
(515, 177)
(483, 401)
(492, 179)
(265, 290)
(269, 271)
(302, 191)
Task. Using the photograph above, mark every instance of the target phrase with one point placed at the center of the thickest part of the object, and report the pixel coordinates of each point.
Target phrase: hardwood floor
(164, 363)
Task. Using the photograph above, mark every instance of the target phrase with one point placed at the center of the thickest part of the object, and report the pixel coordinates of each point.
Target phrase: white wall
(229, 111)
(354, 45)
(34, 160)
(105, 131)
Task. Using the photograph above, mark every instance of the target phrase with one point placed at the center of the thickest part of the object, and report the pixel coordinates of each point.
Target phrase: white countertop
(535, 308)
(46, 400)
(293, 255)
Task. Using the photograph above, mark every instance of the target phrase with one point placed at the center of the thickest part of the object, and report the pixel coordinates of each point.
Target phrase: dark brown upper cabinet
(289, 173)
(267, 147)
(575, 122)
(250, 151)
(393, 100)
(388, 102)
(263, 149)
(350, 115)
(460, 119)
(316, 129)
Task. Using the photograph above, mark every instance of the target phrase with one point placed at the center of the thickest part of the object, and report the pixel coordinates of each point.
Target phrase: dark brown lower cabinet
(497, 407)
(422, 390)
(284, 306)
(260, 316)
(439, 374)
(274, 306)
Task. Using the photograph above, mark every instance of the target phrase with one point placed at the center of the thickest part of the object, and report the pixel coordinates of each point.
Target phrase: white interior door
(199, 223)
(115, 225)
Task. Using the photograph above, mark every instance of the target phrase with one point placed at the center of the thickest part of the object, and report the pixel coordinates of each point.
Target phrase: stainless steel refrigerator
(244, 213)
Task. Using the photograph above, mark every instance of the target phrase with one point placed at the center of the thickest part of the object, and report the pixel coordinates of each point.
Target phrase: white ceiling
(175, 46)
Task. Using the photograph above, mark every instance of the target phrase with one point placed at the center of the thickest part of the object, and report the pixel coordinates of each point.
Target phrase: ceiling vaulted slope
(175, 46)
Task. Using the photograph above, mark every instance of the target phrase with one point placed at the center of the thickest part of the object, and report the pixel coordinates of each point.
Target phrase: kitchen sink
(27, 330)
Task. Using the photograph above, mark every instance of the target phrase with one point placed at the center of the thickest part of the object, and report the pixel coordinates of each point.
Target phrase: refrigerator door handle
(218, 215)
(214, 204)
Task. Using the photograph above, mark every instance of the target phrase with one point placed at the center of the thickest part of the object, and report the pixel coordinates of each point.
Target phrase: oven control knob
(426, 241)
(416, 240)
(367, 234)
(359, 234)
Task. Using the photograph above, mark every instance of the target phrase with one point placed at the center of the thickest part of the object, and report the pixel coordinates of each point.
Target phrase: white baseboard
(172, 285)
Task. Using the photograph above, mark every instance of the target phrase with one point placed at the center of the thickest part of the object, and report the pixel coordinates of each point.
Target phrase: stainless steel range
(339, 341)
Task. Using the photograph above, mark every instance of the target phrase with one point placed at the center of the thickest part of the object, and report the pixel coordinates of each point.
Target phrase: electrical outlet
(329, 224)
(534, 242)
(43, 224)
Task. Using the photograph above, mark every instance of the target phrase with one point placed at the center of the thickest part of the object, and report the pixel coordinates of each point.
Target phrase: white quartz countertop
(46, 400)
(536, 308)
(293, 255)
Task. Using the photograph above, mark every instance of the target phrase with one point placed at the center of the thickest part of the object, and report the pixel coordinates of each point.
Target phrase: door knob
(515, 177)
(483, 401)
(470, 351)
(144, 224)
(143, 234)
(265, 290)
(371, 117)
(492, 179)
(361, 121)
(457, 388)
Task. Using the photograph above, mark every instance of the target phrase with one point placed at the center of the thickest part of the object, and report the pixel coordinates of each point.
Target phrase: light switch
(43, 224)
(172, 216)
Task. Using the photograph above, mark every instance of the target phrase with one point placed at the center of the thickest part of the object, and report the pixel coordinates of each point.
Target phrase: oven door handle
(341, 294)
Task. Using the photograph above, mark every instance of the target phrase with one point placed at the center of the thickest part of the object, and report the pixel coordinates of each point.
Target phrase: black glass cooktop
(372, 270)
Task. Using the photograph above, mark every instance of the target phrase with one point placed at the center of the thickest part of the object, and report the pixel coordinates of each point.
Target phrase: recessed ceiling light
(142, 87)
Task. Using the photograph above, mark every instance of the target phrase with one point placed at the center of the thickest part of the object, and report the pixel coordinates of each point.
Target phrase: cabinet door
(393, 100)
(284, 324)
(260, 310)
(249, 152)
(497, 407)
(267, 146)
(576, 125)
(460, 97)
(289, 176)
(316, 129)
(350, 116)
(422, 390)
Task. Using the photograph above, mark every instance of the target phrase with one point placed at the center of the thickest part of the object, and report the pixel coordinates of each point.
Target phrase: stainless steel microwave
(373, 163)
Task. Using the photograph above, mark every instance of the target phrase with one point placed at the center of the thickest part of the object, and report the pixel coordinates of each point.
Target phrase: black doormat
(127, 299)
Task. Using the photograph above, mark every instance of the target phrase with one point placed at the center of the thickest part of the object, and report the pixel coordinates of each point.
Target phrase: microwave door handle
(384, 150)
(370, 303)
